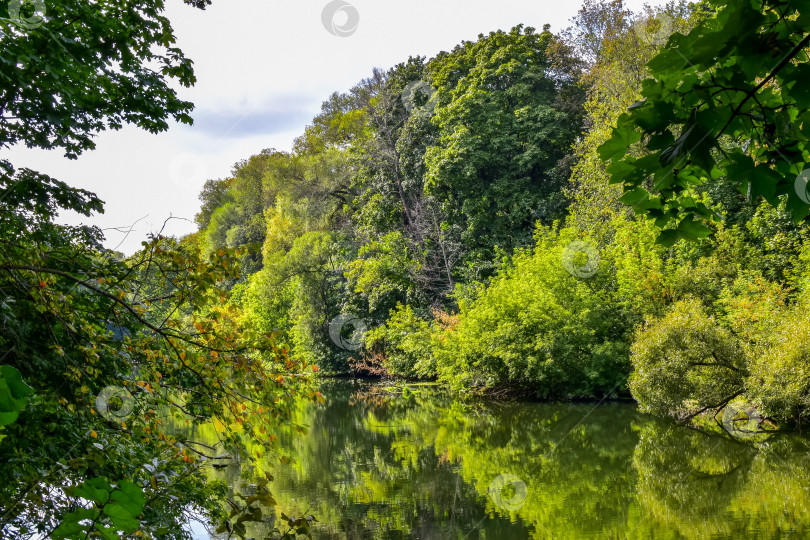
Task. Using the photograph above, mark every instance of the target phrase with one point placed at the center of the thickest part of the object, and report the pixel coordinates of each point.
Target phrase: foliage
(115, 509)
(498, 164)
(622, 44)
(539, 327)
(98, 350)
(686, 361)
(359, 217)
(95, 66)
(413, 211)
(725, 100)
(213, 195)
(780, 376)
(407, 341)
(598, 26)
(78, 328)
(13, 395)
(384, 272)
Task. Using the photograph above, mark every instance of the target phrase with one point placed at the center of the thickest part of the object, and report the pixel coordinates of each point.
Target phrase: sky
(263, 69)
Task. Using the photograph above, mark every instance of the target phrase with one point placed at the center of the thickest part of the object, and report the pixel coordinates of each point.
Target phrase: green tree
(686, 362)
(87, 68)
(88, 368)
(621, 43)
(498, 165)
(213, 195)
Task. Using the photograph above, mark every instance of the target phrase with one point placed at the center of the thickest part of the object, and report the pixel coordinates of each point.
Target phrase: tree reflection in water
(391, 463)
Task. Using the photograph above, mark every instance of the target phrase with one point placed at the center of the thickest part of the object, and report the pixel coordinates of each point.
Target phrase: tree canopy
(727, 100)
(100, 352)
(615, 210)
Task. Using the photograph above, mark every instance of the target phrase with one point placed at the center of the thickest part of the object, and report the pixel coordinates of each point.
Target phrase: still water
(387, 464)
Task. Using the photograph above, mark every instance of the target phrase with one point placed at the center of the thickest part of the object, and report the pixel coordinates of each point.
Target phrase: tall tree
(499, 163)
(597, 24)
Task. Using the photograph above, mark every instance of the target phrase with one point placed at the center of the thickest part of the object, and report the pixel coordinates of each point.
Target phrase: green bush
(406, 342)
(780, 376)
(539, 327)
(266, 304)
(685, 362)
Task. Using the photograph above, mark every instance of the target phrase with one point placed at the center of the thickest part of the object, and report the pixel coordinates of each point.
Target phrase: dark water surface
(380, 464)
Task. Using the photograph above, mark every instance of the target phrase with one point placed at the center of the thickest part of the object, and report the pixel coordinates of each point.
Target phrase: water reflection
(708, 486)
(380, 464)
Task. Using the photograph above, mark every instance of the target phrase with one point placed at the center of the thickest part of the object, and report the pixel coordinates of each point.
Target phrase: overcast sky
(263, 68)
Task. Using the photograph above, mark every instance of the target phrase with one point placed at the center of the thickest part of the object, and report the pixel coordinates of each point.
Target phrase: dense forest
(615, 210)
(492, 219)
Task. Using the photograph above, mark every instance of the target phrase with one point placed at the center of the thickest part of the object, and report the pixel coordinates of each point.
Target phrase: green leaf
(7, 418)
(667, 238)
(649, 206)
(70, 526)
(693, 230)
(240, 529)
(800, 91)
(763, 183)
(617, 145)
(798, 209)
(110, 533)
(655, 117)
(740, 170)
(121, 517)
(635, 196)
(13, 394)
(129, 496)
(667, 60)
(621, 169)
(695, 140)
(95, 489)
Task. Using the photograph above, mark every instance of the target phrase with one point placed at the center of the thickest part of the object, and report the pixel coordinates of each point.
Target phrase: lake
(379, 462)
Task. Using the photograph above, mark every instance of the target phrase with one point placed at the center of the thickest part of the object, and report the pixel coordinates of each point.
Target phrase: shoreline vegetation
(618, 209)
(474, 219)
(494, 393)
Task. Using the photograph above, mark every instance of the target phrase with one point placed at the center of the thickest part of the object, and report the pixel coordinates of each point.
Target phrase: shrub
(686, 362)
(539, 327)
(406, 341)
(780, 377)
